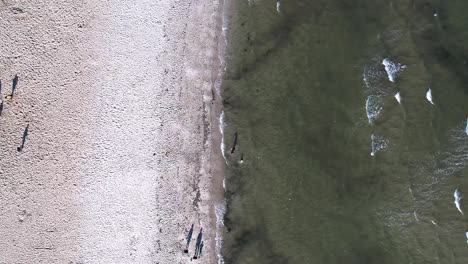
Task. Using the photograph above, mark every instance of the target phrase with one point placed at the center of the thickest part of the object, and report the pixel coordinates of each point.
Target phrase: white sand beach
(117, 164)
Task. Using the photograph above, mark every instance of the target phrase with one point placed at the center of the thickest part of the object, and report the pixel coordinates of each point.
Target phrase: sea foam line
(220, 211)
(221, 130)
(220, 208)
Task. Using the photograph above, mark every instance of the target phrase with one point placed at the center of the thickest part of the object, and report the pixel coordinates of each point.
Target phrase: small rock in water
(429, 96)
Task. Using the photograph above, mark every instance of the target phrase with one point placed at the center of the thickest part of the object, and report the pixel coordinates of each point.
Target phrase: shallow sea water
(329, 167)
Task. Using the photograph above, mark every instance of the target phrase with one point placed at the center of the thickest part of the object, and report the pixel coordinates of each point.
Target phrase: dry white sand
(117, 95)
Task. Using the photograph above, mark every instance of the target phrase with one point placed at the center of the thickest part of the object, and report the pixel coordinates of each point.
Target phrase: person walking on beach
(25, 134)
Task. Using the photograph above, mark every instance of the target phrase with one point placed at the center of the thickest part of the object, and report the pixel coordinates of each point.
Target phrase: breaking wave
(393, 69)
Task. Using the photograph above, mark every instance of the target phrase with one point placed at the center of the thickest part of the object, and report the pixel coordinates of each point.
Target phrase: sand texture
(116, 164)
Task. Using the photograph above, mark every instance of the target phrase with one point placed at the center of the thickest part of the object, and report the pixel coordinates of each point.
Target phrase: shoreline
(218, 164)
(119, 161)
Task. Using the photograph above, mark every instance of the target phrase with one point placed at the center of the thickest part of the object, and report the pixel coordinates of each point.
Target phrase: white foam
(429, 96)
(466, 128)
(222, 51)
(220, 211)
(457, 196)
(222, 125)
(365, 79)
(416, 216)
(378, 143)
(373, 76)
(392, 68)
(375, 79)
(398, 97)
(278, 3)
(374, 106)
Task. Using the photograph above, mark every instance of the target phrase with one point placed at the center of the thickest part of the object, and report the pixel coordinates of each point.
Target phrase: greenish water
(295, 91)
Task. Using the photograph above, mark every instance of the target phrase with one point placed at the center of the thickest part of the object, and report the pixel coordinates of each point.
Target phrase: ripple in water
(454, 157)
(373, 76)
(374, 106)
(378, 143)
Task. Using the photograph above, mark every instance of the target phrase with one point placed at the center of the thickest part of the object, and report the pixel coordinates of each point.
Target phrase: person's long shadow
(13, 87)
(25, 134)
(198, 244)
(189, 238)
(15, 83)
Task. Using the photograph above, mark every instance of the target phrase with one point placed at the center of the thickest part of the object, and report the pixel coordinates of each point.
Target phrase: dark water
(295, 90)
